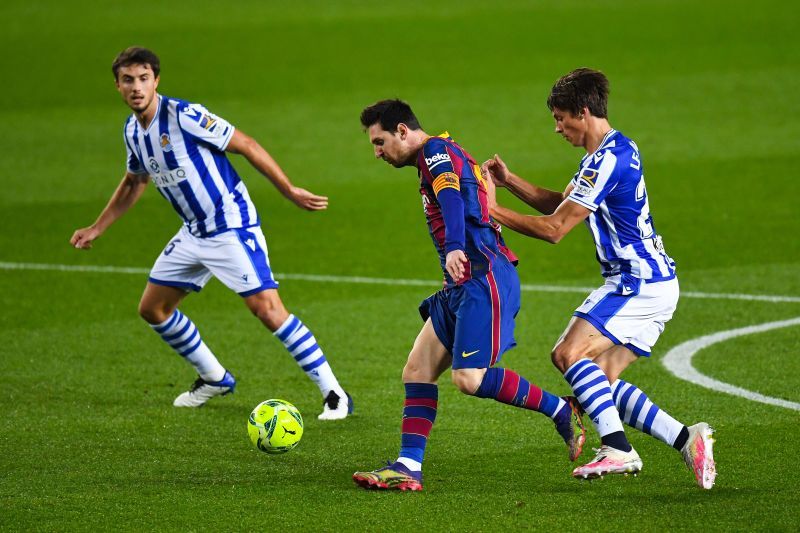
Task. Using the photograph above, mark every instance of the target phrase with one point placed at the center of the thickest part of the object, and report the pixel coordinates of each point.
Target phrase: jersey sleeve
(132, 162)
(446, 184)
(205, 126)
(592, 183)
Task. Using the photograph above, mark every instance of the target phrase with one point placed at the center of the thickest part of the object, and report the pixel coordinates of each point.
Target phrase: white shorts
(632, 314)
(237, 257)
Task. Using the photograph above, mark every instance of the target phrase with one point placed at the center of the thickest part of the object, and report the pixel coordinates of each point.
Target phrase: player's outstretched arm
(550, 228)
(245, 145)
(128, 193)
(543, 200)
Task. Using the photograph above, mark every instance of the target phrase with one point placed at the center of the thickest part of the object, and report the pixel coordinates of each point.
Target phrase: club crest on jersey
(166, 146)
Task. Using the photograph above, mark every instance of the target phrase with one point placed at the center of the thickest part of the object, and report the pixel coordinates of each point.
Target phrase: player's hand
(454, 263)
(491, 194)
(82, 238)
(307, 200)
(496, 170)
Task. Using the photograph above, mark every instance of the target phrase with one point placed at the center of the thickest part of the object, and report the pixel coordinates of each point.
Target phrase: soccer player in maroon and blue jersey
(469, 324)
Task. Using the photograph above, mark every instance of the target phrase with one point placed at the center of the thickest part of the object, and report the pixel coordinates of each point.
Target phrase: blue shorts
(475, 321)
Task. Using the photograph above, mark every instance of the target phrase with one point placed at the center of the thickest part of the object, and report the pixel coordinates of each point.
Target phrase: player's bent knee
(565, 355)
(154, 314)
(467, 381)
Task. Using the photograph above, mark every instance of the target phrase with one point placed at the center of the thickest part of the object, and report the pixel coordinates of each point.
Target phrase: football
(275, 426)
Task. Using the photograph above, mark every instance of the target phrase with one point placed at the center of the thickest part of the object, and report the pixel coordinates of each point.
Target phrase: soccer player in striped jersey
(180, 147)
(621, 320)
(470, 322)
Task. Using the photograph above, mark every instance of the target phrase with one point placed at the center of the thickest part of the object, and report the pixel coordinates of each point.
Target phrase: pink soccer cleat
(698, 454)
(609, 461)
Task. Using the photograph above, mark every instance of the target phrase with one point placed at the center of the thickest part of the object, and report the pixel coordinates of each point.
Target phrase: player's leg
(573, 355)
(634, 407)
(175, 272)
(303, 347)
(427, 361)
(484, 331)
(637, 410)
(240, 260)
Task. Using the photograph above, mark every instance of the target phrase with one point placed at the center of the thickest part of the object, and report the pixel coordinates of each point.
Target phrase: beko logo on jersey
(435, 159)
(171, 177)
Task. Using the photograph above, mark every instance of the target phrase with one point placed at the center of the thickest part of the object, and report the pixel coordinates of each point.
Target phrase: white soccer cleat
(698, 454)
(609, 461)
(202, 391)
(334, 407)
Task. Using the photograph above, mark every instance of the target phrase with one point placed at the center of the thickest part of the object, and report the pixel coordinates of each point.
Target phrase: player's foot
(569, 424)
(609, 461)
(394, 476)
(698, 454)
(334, 407)
(201, 391)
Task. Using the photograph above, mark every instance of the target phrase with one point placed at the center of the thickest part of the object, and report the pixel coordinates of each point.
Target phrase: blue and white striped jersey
(610, 183)
(183, 152)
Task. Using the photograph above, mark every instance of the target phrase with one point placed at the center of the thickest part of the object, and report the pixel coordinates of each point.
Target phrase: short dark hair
(136, 55)
(389, 113)
(583, 87)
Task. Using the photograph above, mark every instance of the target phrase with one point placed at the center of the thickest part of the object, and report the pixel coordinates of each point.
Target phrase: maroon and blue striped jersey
(456, 209)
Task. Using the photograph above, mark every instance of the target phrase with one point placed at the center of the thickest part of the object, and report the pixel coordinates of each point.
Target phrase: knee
(413, 373)
(271, 313)
(564, 355)
(468, 380)
(154, 314)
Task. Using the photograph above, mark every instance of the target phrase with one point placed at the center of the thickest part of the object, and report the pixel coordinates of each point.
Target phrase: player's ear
(583, 113)
(155, 82)
(402, 129)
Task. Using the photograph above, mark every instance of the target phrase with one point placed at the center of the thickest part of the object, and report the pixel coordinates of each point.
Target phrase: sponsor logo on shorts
(467, 354)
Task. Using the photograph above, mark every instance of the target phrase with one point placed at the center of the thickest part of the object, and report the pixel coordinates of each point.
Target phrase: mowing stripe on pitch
(678, 360)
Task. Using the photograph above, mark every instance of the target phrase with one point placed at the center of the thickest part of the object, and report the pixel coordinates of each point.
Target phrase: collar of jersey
(146, 130)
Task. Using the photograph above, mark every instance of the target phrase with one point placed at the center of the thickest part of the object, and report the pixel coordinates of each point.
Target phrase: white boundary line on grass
(678, 360)
(390, 281)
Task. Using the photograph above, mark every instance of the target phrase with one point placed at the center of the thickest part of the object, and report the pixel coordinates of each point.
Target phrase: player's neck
(598, 128)
(418, 140)
(146, 117)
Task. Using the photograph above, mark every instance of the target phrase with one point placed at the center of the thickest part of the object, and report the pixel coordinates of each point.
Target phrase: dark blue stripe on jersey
(168, 195)
(642, 252)
(136, 142)
(148, 145)
(231, 179)
(133, 161)
(247, 220)
(163, 128)
(194, 205)
(208, 182)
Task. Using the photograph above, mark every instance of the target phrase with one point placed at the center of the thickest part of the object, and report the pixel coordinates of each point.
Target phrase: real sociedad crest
(165, 144)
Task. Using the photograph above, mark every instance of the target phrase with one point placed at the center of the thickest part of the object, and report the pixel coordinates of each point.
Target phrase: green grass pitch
(88, 437)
